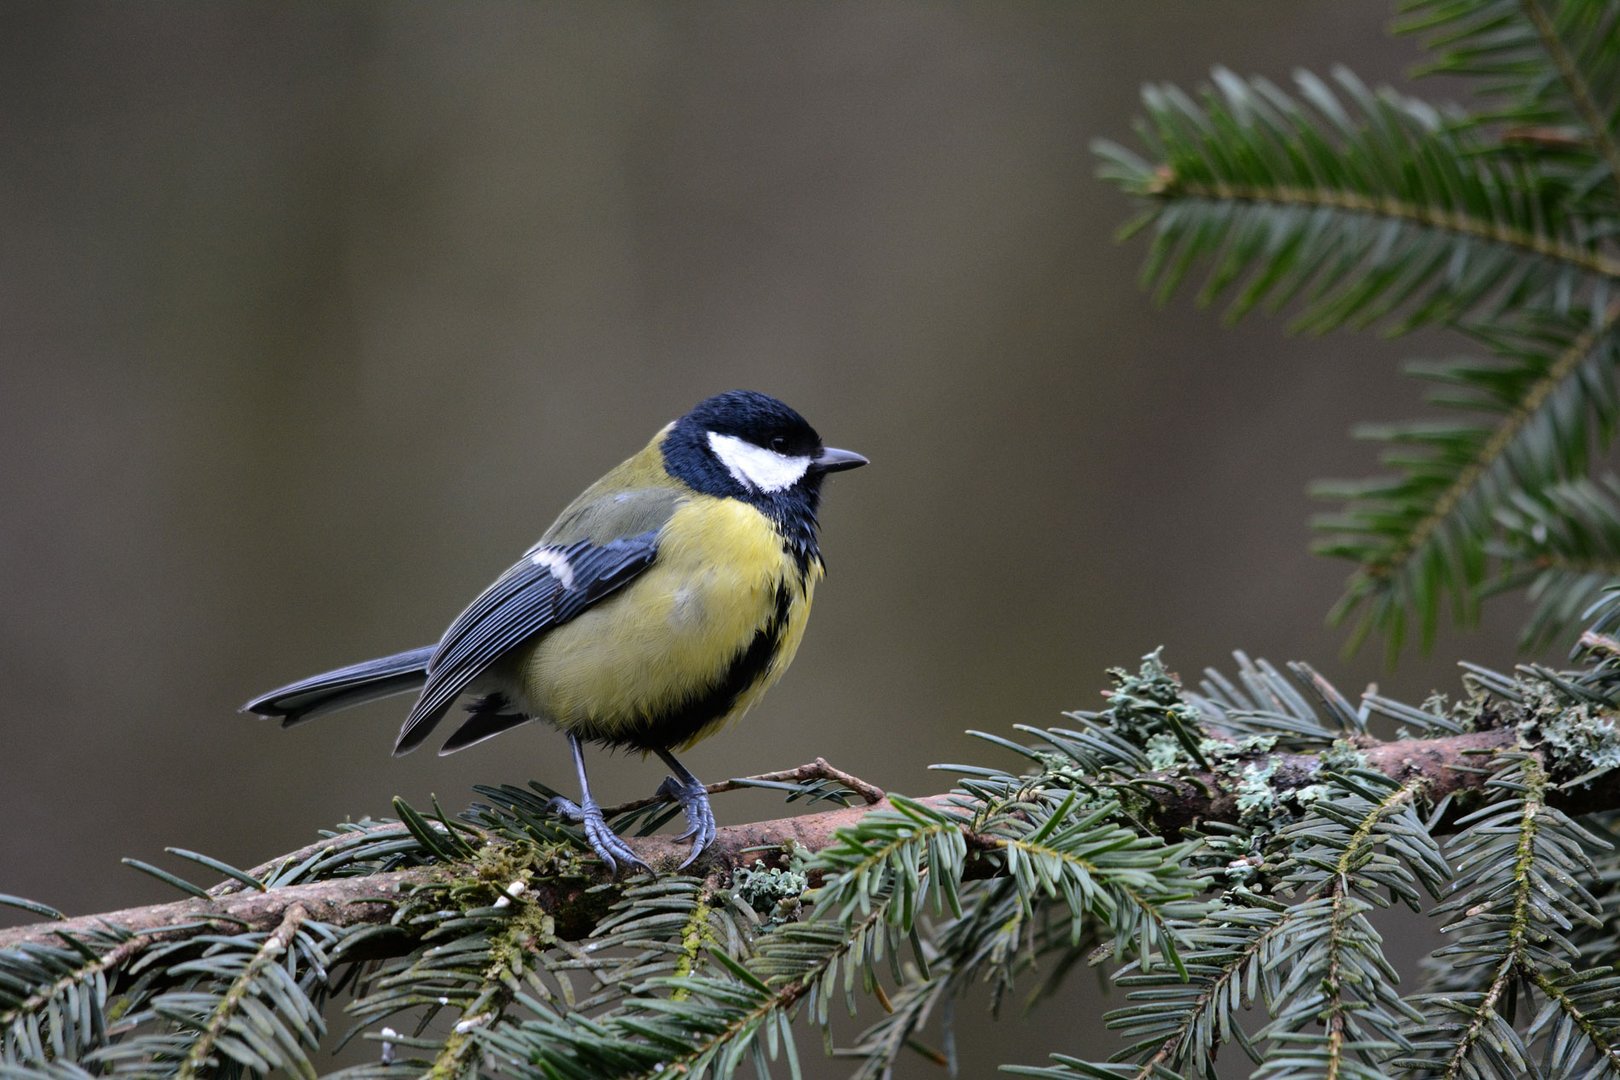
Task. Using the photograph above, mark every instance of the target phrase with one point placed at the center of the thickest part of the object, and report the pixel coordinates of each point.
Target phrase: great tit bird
(658, 607)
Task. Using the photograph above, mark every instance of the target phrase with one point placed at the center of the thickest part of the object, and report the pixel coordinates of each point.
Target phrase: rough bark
(357, 900)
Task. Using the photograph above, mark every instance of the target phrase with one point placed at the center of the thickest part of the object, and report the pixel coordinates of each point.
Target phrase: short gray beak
(831, 460)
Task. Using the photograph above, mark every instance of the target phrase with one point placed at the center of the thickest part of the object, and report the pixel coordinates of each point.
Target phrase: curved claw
(607, 844)
(699, 816)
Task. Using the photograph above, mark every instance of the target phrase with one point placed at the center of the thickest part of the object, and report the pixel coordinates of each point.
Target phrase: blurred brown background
(313, 315)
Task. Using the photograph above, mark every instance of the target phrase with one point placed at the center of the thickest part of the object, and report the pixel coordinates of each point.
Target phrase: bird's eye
(779, 444)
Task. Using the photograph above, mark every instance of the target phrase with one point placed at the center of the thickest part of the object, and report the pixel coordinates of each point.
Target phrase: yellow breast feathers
(689, 645)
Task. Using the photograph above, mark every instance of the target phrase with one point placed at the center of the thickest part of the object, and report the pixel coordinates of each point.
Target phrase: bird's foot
(607, 844)
(694, 802)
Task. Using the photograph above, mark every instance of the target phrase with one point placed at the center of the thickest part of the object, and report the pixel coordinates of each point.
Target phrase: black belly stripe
(714, 702)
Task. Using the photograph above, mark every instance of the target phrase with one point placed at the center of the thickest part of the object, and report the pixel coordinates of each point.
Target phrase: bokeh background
(313, 315)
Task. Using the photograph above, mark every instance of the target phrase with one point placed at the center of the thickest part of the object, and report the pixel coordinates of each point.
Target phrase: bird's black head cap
(746, 445)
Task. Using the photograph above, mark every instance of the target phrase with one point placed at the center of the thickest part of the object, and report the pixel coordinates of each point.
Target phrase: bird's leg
(687, 790)
(603, 840)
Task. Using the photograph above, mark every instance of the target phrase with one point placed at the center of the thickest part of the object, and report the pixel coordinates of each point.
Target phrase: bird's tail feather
(353, 685)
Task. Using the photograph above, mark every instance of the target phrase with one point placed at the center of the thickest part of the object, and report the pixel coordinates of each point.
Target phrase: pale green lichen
(1149, 702)
(1256, 799)
(1303, 797)
(1260, 804)
(773, 893)
(1438, 703)
(1165, 752)
(1581, 738)
(1243, 869)
(1342, 756)
(1248, 746)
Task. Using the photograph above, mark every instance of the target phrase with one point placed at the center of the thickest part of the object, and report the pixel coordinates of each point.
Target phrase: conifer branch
(1167, 186)
(1451, 765)
(499, 982)
(275, 944)
(1345, 908)
(1218, 841)
(1580, 93)
(353, 901)
(94, 967)
(1513, 955)
(1600, 1040)
(1492, 451)
(1174, 1044)
(1364, 207)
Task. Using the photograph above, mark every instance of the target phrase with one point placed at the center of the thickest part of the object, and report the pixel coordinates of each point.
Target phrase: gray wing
(549, 586)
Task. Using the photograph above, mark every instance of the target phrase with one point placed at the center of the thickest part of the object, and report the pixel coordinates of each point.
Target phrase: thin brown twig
(819, 769)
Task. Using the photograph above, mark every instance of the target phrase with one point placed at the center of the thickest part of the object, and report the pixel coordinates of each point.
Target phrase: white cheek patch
(557, 563)
(755, 466)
